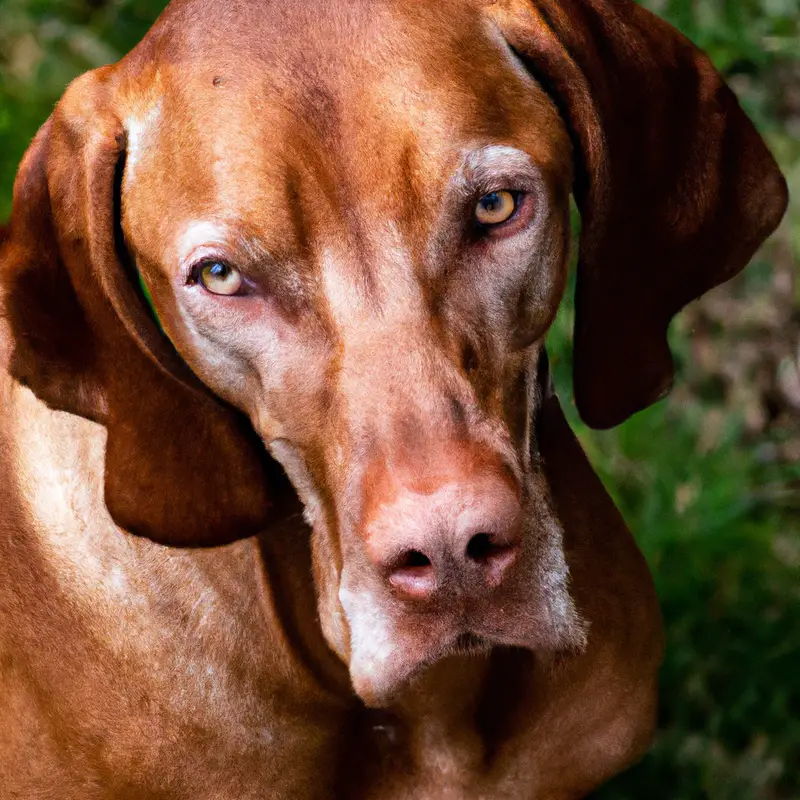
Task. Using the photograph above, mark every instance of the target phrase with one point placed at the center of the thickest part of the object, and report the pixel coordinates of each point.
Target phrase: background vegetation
(709, 479)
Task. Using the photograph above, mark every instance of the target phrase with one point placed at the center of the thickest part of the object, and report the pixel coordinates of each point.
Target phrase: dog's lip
(377, 694)
(379, 684)
(470, 644)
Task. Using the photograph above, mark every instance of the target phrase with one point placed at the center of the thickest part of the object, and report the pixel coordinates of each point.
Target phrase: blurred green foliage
(43, 46)
(718, 516)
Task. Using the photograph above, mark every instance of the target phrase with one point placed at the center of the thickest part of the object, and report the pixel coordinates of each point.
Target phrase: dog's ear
(676, 188)
(181, 467)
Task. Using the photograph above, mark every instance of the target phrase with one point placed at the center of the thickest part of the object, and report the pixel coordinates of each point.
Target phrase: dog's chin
(380, 684)
(379, 689)
(390, 650)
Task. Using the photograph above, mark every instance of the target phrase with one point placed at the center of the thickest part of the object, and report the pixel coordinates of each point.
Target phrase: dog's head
(353, 222)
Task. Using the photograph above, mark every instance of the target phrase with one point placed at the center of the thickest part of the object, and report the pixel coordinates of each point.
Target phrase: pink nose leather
(462, 536)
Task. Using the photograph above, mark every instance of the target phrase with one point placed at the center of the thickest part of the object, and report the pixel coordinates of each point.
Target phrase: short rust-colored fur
(208, 584)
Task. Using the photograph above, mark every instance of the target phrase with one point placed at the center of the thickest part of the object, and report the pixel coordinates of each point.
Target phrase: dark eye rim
(194, 276)
(521, 218)
(517, 195)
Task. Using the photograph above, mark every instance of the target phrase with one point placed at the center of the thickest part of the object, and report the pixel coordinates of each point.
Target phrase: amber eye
(219, 278)
(495, 207)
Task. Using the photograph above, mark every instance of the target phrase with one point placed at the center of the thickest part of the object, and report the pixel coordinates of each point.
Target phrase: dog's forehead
(271, 29)
(316, 59)
(370, 100)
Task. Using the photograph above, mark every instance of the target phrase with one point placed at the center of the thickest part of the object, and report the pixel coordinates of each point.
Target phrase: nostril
(494, 554)
(413, 575)
(480, 547)
(413, 558)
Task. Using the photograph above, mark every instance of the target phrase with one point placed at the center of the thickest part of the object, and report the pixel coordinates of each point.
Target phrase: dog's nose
(463, 538)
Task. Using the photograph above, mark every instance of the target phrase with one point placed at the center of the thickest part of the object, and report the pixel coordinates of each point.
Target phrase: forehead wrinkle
(322, 171)
(302, 223)
(393, 292)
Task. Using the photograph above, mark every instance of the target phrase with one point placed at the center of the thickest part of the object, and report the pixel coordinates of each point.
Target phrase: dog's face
(360, 242)
(353, 218)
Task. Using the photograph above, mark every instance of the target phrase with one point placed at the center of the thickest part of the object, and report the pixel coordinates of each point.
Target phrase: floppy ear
(181, 467)
(676, 188)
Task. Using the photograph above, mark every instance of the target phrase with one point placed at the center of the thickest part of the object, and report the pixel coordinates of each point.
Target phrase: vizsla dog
(302, 518)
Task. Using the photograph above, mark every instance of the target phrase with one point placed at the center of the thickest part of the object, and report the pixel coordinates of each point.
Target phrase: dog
(290, 507)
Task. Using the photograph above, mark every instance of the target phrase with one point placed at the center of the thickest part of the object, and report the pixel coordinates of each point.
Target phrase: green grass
(718, 520)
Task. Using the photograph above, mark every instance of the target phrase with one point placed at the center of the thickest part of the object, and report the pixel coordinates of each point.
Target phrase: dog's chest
(139, 688)
(130, 669)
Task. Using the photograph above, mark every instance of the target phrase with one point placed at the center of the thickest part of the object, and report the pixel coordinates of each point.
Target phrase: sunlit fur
(202, 519)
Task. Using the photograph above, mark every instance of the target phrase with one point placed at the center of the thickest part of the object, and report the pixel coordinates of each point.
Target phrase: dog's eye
(219, 278)
(495, 207)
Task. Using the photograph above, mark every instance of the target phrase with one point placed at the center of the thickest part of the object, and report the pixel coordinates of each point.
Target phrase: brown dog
(353, 219)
